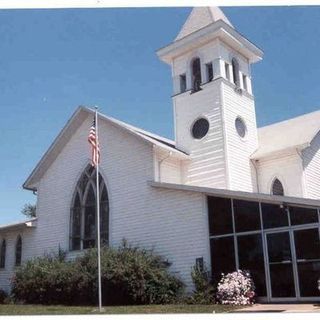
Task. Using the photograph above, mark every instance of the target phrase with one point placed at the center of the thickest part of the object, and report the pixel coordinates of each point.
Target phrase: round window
(200, 128)
(241, 127)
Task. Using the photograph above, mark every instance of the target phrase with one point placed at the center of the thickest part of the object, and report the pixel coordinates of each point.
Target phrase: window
(227, 70)
(196, 75)
(18, 251)
(209, 70)
(220, 216)
(200, 128)
(246, 215)
(3, 254)
(240, 127)
(83, 212)
(183, 83)
(274, 216)
(245, 84)
(235, 70)
(299, 215)
(277, 188)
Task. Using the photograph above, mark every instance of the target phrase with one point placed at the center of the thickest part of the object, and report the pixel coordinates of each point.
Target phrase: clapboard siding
(207, 165)
(173, 223)
(240, 168)
(311, 166)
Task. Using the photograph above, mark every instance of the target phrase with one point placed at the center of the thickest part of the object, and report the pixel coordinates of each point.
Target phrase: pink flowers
(236, 288)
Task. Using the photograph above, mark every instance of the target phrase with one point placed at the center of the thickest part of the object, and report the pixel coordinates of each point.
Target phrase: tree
(29, 210)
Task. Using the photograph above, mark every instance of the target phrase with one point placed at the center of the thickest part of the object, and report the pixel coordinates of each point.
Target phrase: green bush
(130, 275)
(204, 291)
(3, 296)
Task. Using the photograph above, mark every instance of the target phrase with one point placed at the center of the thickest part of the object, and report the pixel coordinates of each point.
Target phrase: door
(280, 261)
(307, 247)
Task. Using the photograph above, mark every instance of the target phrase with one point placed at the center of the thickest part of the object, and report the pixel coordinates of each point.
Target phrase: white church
(224, 193)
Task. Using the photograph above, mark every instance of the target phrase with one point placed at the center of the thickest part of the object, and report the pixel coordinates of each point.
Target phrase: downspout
(299, 152)
(159, 164)
(254, 162)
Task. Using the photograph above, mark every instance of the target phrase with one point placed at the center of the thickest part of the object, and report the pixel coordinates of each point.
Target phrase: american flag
(95, 148)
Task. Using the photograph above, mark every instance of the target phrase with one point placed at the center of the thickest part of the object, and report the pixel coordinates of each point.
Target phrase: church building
(223, 193)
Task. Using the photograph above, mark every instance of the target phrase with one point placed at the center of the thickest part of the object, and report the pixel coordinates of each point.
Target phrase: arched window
(277, 188)
(18, 251)
(83, 212)
(3, 254)
(235, 71)
(196, 75)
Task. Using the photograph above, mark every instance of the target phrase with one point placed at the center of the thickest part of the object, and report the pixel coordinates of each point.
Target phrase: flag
(93, 140)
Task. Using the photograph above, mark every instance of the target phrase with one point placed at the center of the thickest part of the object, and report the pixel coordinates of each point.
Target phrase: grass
(11, 309)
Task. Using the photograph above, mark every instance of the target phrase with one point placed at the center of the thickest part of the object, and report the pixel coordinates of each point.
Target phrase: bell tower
(214, 112)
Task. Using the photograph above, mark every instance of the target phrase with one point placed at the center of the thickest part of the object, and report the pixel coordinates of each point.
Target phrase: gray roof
(201, 17)
(289, 134)
(18, 225)
(250, 196)
(74, 122)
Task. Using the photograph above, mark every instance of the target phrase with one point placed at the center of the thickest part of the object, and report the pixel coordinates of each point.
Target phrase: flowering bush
(236, 288)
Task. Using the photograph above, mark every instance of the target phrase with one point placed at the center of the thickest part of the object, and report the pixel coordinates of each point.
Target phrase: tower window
(235, 70)
(209, 70)
(241, 127)
(227, 70)
(200, 128)
(277, 188)
(196, 75)
(183, 83)
(245, 84)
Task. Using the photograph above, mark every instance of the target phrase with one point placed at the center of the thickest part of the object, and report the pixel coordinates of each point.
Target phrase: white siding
(174, 223)
(240, 169)
(207, 166)
(311, 165)
(288, 169)
(27, 237)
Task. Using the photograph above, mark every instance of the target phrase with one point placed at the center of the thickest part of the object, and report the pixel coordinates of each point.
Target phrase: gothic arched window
(196, 74)
(18, 251)
(235, 71)
(83, 212)
(277, 188)
(3, 254)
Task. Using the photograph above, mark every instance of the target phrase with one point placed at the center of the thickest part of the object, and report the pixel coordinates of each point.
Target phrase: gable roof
(71, 126)
(19, 225)
(201, 17)
(295, 133)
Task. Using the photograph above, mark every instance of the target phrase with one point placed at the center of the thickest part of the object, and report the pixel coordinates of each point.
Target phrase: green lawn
(11, 309)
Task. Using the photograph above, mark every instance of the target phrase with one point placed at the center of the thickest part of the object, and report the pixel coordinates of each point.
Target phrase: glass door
(307, 247)
(280, 265)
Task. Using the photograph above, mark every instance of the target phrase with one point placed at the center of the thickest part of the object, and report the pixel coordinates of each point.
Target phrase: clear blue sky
(51, 61)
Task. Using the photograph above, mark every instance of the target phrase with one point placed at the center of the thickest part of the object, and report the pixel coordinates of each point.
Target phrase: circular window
(241, 127)
(200, 128)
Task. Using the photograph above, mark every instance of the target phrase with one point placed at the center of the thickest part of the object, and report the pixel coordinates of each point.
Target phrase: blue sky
(51, 61)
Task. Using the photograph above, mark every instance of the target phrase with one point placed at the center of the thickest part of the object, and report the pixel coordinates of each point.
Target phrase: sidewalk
(307, 307)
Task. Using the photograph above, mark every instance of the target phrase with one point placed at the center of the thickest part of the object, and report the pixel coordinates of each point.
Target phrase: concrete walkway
(306, 307)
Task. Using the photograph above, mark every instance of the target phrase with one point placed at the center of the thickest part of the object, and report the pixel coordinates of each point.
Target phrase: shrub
(204, 291)
(236, 288)
(130, 275)
(3, 296)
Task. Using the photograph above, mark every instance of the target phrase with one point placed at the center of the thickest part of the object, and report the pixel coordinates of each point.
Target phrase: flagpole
(98, 215)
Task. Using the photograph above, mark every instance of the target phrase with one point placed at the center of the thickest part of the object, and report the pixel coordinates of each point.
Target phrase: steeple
(201, 17)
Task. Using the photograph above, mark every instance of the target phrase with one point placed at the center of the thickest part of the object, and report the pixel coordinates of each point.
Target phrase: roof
(71, 126)
(250, 196)
(201, 17)
(18, 225)
(295, 133)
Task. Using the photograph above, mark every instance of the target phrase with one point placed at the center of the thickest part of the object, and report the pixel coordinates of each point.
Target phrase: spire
(199, 18)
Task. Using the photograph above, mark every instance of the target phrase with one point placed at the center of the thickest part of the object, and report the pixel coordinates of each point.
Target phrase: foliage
(129, 276)
(236, 288)
(3, 296)
(29, 210)
(204, 291)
